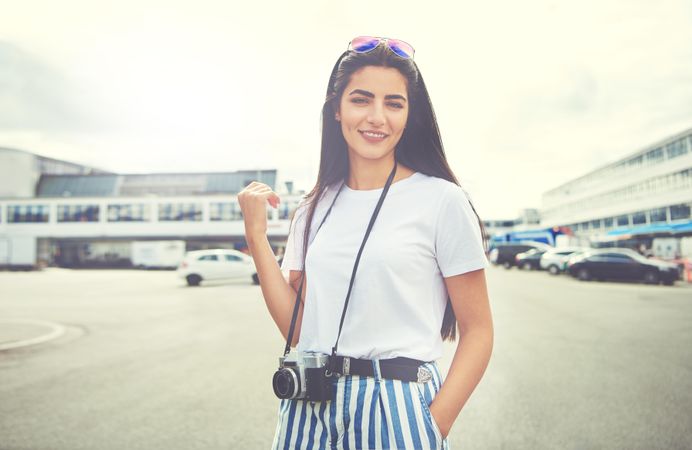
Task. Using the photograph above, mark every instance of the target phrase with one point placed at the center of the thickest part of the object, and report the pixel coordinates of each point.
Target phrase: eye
(359, 100)
(395, 105)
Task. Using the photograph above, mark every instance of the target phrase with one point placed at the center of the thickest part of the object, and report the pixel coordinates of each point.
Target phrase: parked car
(505, 254)
(219, 264)
(621, 264)
(530, 260)
(555, 260)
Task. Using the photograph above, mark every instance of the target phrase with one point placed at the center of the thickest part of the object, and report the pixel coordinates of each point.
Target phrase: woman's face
(373, 111)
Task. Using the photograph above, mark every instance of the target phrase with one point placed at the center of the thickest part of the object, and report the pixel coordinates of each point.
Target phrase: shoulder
(439, 188)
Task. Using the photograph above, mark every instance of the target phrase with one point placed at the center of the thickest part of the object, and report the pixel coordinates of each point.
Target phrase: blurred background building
(630, 202)
(56, 212)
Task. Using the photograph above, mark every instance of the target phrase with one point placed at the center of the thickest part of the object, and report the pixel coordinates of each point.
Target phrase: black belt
(404, 369)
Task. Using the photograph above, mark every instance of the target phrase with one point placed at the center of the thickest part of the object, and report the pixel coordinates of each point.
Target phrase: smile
(373, 136)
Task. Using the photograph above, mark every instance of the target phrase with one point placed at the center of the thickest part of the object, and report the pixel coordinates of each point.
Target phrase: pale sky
(528, 95)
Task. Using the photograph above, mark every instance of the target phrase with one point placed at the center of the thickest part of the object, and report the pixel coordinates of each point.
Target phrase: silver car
(555, 259)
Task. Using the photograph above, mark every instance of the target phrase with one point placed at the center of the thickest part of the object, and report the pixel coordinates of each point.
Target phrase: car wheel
(553, 269)
(255, 278)
(507, 265)
(193, 280)
(583, 275)
(651, 277)
(526, 266)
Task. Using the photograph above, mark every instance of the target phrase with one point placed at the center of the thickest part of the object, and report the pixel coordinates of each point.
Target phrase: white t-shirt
(425, 231)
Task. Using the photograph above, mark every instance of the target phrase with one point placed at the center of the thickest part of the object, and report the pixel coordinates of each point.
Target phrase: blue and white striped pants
(367, 413)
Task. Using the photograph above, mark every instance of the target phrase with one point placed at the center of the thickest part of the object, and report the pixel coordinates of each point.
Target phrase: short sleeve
(293, 253)
(458, 242)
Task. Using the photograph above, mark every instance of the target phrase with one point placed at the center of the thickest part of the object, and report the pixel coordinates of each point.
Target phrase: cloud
(36, 96)
(526, 99)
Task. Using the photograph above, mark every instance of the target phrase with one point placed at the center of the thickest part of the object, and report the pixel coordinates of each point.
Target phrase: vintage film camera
(303, 375)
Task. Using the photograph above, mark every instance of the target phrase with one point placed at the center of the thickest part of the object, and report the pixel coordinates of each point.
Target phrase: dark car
(530, 260)
(621, 264)
(505, 254)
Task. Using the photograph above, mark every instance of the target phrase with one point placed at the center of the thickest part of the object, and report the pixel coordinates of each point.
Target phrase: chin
(372, 155)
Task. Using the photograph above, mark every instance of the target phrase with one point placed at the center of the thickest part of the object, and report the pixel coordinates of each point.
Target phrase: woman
(420, 273)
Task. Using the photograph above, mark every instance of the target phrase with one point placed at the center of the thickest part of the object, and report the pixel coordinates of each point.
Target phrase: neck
(365, 175)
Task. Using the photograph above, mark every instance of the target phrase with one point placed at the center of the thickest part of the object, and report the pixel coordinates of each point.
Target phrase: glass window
(224, 211)
(78, 213)
(676, 148)
(233, 258)
(658, 215)
(208, 258)
(679, 212)
(596, 224)
(27, 213)
(285, 211)
(137, 212)
(654, 156)
(584, 226)
(608, 222)
(623, 220)
(617, 257)
(635, 162)
(181, 212)
(638, 218)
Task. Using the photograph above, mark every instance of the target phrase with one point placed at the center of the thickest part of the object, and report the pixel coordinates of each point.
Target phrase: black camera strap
(287, 349)
(353, 273)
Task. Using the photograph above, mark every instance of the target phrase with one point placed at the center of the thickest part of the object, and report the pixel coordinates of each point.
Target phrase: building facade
(651, 187)
(78, 216)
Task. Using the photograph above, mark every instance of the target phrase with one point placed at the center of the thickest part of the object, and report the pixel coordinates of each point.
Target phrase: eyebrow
(371, 95)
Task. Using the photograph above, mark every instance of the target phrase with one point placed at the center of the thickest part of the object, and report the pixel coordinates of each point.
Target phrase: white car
(555, 259)
(203, 265)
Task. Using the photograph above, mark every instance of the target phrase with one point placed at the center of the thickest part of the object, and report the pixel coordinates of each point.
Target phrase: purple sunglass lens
(401, 48)
(364, 43)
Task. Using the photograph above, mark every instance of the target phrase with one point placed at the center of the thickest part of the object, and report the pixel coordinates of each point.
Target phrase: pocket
(420, 388)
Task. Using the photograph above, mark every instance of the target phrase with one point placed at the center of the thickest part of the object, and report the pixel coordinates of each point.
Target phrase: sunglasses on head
(365, 44)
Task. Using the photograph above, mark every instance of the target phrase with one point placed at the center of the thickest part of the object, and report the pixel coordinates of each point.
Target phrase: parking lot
(138, 360)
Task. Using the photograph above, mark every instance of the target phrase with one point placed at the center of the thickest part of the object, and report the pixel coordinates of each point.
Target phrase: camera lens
(286, 383)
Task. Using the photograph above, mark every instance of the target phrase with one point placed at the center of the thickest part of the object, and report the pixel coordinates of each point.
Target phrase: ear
(337, 116)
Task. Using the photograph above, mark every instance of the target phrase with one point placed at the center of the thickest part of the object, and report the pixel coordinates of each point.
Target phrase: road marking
(57, 330)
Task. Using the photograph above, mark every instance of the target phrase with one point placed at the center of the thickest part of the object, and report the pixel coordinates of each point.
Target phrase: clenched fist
(253, 203)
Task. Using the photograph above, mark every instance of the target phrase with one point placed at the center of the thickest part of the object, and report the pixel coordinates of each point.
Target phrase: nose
(376, 114)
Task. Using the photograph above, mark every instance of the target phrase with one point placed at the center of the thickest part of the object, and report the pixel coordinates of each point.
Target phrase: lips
(373, 136)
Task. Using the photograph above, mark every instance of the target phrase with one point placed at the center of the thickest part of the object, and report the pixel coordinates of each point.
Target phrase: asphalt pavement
(137, 360)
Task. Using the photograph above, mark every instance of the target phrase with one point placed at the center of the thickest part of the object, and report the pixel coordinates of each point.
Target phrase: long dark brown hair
(420, 147)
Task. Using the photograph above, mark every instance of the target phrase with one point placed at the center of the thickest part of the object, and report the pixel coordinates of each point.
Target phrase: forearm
(278, 294)
(468, 366)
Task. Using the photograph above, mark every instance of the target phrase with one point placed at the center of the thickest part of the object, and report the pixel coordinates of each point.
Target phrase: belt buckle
(424, 375)
(346, 366)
